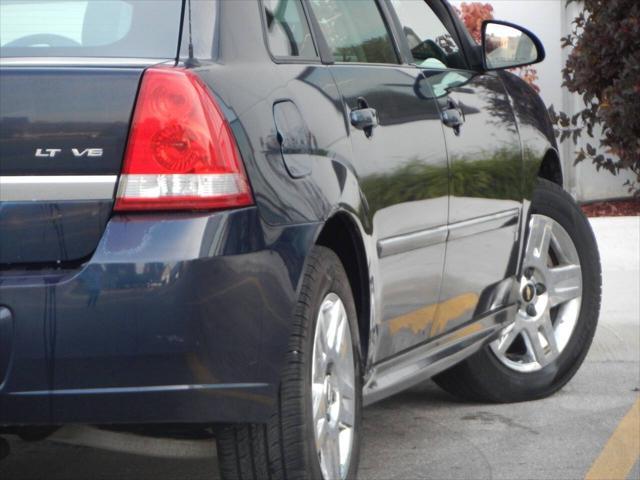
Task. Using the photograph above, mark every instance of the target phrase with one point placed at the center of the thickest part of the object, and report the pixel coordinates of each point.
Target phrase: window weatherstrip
(288, 59)
(81, 62)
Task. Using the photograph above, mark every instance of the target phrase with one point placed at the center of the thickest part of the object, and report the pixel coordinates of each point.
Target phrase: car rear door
(400, 157)
(485, 161)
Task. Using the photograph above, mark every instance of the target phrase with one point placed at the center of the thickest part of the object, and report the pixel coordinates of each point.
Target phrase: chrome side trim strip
(435, 236)
(484, 224)
(57, 188)
(80, 62)
(412, 241)
(136, 390)
(423, 362)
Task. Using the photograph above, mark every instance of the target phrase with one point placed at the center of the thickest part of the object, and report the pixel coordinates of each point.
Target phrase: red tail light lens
(181, 153)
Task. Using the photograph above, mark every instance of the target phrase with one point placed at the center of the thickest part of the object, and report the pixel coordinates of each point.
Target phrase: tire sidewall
(331, 278)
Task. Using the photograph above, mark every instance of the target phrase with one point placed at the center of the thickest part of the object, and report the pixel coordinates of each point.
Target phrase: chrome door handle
(364, 118)
(453, 116)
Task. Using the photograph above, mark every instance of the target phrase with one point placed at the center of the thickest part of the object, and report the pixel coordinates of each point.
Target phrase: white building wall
(551, 20)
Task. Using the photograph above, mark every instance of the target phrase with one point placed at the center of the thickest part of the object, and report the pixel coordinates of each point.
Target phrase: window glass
(431, 44)
(90, 28)
(287, 29)
(355, 31)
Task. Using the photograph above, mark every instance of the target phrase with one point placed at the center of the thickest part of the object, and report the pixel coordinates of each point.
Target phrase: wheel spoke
(546, 328)
(332, 459)
(320, 361)
(321, 335)
(535, 347)
(564, 284)
(328, 331)
(347, 413)
(345, 441)
(343, 368)
(507, 339)
(339, 334)
(320, 367)
(319, 401)
(332, 319)
(322, 434)
(345, 382)
(539, 240)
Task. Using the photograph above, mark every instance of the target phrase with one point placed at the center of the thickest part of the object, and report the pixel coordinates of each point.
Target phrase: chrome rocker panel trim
(421, 363)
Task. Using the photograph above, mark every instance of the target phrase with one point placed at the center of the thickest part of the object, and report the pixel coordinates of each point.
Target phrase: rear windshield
(90, 28)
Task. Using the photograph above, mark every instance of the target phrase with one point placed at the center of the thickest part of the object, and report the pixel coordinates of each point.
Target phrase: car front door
(399, 156)
(485, 162)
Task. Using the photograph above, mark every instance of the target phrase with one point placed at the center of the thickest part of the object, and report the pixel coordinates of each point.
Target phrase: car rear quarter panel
(247, 82)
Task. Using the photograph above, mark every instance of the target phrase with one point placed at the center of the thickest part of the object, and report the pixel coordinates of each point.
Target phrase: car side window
(355, 31)
(288, 31)
(431, 44)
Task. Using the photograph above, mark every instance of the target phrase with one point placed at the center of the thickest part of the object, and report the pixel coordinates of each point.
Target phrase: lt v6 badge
(53, 152)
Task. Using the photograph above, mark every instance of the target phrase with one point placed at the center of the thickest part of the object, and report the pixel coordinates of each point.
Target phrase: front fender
(536, 131)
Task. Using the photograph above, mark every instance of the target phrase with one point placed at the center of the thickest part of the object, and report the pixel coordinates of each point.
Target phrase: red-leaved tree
(473, 14)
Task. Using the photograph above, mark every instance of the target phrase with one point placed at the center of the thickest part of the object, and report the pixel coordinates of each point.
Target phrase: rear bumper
(176, 318)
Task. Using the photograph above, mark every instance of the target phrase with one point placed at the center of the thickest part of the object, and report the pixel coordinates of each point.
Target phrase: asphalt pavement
(588, 430)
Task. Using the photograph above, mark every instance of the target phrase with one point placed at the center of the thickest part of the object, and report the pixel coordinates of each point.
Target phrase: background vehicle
(298, 209)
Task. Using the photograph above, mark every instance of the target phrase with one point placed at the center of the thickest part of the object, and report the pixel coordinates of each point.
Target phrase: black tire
(284, 447)
(483, 378)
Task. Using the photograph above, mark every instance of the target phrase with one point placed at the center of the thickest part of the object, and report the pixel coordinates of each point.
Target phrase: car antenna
(191, 61)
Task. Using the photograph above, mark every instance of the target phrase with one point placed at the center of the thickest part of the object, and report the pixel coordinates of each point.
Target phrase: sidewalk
(618, 335)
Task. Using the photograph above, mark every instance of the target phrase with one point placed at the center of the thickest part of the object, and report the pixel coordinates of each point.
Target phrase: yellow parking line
(622, 450)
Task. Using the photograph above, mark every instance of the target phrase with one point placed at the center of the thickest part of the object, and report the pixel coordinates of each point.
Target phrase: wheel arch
(551, 167)
(341, 234)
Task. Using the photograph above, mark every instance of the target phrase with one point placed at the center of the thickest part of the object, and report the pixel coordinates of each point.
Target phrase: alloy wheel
(333, 389)
(550, 299)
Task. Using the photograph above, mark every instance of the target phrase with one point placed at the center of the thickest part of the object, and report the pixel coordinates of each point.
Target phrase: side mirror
(506, 45)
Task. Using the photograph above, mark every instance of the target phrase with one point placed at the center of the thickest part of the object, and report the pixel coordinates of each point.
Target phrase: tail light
(181, 153)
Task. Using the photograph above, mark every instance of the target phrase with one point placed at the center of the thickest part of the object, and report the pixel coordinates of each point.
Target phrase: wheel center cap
(528, 293)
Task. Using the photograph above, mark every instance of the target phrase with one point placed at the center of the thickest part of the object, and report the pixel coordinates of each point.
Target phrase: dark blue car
(257, 217)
